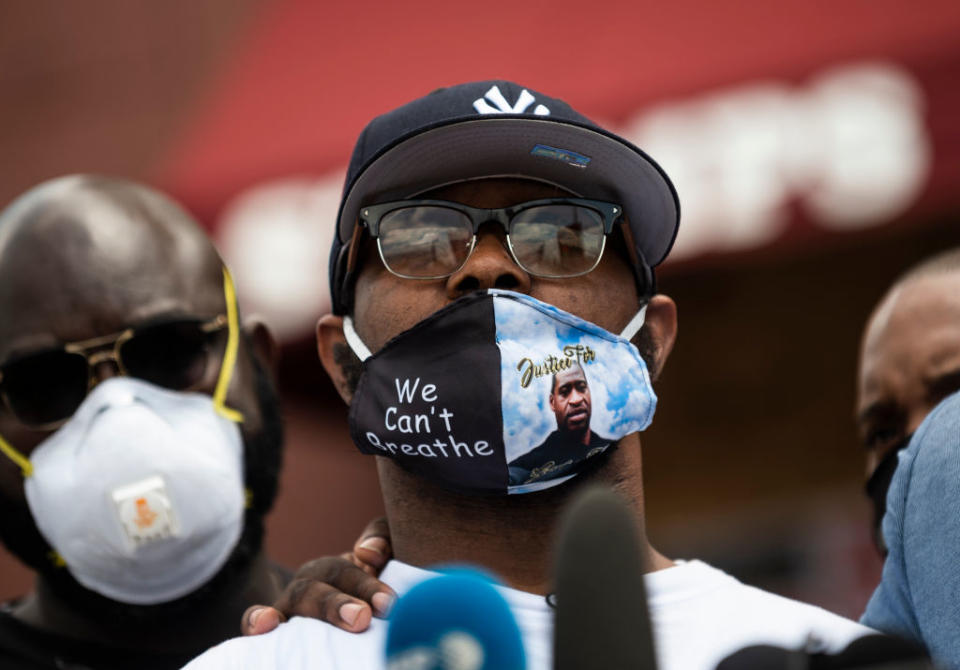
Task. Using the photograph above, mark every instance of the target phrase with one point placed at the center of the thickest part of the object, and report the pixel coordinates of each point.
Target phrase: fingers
(341, 590)
(319, 600)
(335, 590)
(259, 619)
(373, 546)
(351, 580)
(366, 567)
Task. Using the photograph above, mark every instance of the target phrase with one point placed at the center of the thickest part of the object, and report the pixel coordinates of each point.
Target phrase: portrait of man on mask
(572, 441)
(570, 403)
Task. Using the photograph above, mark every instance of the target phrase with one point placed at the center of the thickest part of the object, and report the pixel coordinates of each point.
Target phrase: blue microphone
(456, 621)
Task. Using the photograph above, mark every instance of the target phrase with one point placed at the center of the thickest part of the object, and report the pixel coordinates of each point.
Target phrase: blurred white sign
(276, 239)
(850, 148)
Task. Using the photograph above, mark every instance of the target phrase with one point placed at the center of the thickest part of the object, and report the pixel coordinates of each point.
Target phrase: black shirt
(23, 647)
(558, 456)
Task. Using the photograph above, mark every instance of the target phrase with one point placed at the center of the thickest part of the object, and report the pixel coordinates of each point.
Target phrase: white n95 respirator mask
(141, 492)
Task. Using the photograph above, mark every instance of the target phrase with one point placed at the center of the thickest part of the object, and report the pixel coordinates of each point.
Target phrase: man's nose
(105, 368)
(489, 266)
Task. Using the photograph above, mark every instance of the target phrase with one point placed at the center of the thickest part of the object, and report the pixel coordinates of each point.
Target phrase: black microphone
(875, 652)
(765, 657)
(602, 617)
(870, 652)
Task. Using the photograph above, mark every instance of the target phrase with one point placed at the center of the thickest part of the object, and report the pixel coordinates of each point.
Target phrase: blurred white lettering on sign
(851, 148)
(276, 238)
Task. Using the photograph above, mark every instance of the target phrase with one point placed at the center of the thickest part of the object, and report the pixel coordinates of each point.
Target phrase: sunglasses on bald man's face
(432, 239)
(43, 389)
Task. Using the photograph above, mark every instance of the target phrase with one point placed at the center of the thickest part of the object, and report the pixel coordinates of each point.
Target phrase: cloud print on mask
(620, 403)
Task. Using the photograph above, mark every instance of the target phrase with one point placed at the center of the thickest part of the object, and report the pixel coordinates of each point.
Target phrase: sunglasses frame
(372, 215)
(94, 352)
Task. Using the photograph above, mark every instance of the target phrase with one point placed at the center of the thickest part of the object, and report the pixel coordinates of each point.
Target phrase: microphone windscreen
(765, 657)
(456, 621)
(602, 616)
(875, 651)
(871, 652)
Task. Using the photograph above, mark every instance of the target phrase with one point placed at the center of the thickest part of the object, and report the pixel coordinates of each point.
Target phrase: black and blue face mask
(877, 487)
(500, 393)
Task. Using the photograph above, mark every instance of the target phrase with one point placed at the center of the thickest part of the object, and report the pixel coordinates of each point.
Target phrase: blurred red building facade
(814, 145)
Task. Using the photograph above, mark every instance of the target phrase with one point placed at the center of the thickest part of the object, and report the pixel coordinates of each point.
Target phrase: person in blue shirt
(909, 362)
(907, 395)
(919, 594)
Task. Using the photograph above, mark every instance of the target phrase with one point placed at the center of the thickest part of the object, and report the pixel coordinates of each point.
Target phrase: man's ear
(332, 347)
(265, 347)
(661, 323)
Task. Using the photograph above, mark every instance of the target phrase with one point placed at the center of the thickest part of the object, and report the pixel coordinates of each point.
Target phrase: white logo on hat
(503, 107)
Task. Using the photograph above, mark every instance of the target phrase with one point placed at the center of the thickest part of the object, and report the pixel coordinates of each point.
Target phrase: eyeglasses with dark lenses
(44, 389)
(432, 239)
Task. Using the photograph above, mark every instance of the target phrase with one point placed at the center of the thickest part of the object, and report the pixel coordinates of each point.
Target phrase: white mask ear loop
(636, 323)
(354, 341)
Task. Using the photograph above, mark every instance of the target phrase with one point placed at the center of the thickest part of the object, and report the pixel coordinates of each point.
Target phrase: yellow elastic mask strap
(19, 459)
(230, 354)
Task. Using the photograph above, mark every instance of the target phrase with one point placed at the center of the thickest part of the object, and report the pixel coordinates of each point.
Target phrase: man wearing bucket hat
(487, 230)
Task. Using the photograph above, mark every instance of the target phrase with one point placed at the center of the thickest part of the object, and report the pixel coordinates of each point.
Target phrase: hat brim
(499, 145)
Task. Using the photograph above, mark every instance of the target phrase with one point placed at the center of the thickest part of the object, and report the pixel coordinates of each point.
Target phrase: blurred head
(570, 400)
(909, 362)
(910, 355)
(84, 259)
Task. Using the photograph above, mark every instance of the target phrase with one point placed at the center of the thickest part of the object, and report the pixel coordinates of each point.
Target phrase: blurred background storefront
(815, 146)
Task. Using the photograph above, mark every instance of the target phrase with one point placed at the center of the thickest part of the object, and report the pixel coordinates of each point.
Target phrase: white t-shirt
(700, 616)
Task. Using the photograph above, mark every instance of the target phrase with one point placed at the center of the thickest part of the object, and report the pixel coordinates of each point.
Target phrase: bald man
(909, 362)
(909, 419)
(140, 435)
